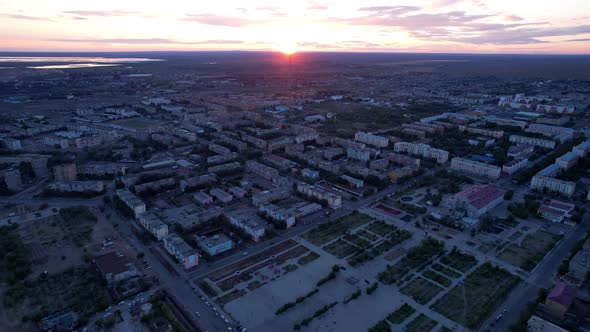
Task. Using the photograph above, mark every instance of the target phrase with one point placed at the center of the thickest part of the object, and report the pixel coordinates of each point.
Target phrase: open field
(421, 290)
(329, 231)
(401, 314)
(530, 251)
(416, 257)
(80, 289)
(459, 261)
(481, 293)
(421, 324)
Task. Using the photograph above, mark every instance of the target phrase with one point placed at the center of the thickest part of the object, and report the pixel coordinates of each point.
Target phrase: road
(542, 276)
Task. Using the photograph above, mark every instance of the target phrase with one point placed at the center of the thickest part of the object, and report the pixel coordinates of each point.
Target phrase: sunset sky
(477, 26)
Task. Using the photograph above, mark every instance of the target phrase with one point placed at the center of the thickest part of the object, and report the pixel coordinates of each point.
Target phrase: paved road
(542, 276)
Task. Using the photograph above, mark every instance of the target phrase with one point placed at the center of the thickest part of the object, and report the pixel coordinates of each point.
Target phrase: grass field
(530, 251)
(421, 290)
(340, 248)
(446, 271)
(329, 231)
(421, 324)
(80, 289)
(438, 278)
(459, 261)
(481, 293)
(401, 314)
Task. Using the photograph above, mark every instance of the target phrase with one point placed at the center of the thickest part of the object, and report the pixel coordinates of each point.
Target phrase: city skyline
(442, 26)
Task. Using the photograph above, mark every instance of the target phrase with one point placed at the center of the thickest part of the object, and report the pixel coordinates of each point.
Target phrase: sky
(442, 26)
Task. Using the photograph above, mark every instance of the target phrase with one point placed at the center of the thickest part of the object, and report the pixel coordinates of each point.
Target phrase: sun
(287, 48)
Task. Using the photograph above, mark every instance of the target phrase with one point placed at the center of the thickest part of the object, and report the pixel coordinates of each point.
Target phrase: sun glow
(287, 48)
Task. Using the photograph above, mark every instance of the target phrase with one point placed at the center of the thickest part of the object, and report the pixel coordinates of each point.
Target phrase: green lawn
(329, 231)
(530, 251)
(478, 297)
(421, 324)
(421, 290)
(340, 248)
(401, 314)
(459, 261)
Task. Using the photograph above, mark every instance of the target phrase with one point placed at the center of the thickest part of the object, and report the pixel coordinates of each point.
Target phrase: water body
(71, 62)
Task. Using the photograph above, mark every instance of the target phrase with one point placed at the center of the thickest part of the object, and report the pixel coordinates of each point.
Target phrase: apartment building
(197, 182)
(12, 179)
(77, 186)
(423, 150)
(183, 252)
(135, 204)
(270, 195)
(279, 214)
(544, 180)
(65, 172)
(544, 143)
(514, 166)
(223, 168)
(334, 201)
(98, 169)
(358, 154)
(475, 168)
(153, 224)
(262, 170)
(367, 138)
(582, 149)
(248, 222)
(482, 131)
(567, 160)
(221, 195)
(202, 198)
(551, 131)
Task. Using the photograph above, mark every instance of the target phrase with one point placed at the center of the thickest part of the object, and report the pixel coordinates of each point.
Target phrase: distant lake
(63, 62)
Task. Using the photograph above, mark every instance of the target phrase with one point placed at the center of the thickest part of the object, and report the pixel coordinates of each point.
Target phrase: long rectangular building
(423, 150)
(475, 168)
(544, 143)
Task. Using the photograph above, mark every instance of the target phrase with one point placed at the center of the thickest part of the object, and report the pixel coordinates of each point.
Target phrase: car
(245, 253)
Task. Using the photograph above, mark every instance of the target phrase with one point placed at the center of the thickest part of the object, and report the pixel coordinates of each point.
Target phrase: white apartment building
(582, 149)
(358, 154)
(248, 222)
(277, 213)
(334, 201)
(153, 224)
(371, 139)
(183, 252)
(475, 168)
(423, 150)
(544, 143)
(135, 204)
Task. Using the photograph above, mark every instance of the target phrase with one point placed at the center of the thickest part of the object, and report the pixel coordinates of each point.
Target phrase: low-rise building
(183, 252)
(544, 180)
(12, 179)
(214, 244)
(310, 174)
(237, 192)
(579, 266)
(560, 299)
(202, 198)
(538, 324)
(262, 170)
(115, 267)
(556, 211)
(398, 173)
(582, 149)
(221, 195)
(353, 182)
(476, 200)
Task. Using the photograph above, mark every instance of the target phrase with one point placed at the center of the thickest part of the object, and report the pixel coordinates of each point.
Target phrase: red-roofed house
(115, 267)
(556, 211)
(560, 299)
(476, 200)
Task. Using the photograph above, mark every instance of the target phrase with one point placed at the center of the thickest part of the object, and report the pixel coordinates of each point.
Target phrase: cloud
(25, 17)
(579, 40)
(147, 41)
(524, 36)
(100, 13)
(513, 18)
(213, 19)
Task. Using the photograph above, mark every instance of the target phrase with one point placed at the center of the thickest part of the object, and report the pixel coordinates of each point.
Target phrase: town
(177, 194)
